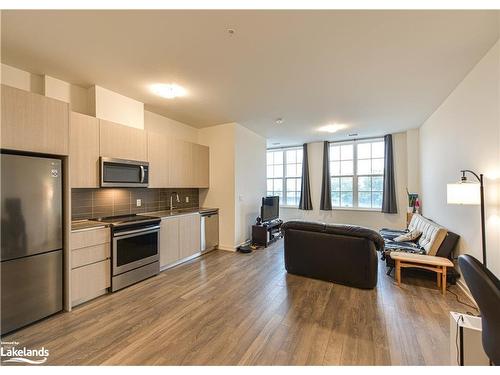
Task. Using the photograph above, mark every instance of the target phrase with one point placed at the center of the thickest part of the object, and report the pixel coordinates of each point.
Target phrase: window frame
(284, 177)
(355, 176)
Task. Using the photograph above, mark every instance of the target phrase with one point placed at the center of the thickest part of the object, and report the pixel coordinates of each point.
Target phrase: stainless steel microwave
(124, 173)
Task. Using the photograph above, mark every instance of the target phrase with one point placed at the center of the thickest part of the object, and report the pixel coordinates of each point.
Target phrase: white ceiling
(378, 71)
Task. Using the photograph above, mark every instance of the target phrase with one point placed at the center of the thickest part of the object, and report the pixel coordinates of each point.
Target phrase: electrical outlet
(187, 199)
(138, 203)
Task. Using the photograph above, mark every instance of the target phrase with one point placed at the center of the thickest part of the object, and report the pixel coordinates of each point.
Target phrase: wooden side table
(427, 262)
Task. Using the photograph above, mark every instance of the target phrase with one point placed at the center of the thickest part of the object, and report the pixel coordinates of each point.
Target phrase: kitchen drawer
(90, 237)
(87, 255)
(90, 281)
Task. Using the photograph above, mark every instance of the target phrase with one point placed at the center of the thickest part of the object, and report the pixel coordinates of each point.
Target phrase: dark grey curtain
(389, 205)
(326, 195)
(305, 189)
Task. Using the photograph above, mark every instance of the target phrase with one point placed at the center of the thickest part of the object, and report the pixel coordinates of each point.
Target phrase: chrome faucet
(171, 199)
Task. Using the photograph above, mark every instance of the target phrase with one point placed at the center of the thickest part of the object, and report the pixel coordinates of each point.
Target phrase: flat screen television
(270, 208)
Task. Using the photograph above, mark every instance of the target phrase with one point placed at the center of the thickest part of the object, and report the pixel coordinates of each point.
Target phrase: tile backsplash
(91, 203)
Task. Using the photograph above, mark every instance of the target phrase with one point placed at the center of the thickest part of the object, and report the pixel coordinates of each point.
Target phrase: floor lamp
(468, 192)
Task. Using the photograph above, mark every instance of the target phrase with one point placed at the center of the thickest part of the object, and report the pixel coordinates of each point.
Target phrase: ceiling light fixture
(279, 121)
(332, 128)
(168, 90)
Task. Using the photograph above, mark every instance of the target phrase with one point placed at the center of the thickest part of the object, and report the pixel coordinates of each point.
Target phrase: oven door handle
(138, 231)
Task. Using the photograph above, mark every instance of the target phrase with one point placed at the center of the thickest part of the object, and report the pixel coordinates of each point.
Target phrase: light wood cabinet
(90, 264)
(88, 255)
(180, 164)
(189, 235)
(177, 164)
(90, 281)
(158, 146)
(201, 166)
(122, 142)
(169, 241)
(180, 237)
(84, 151)
(32, 122)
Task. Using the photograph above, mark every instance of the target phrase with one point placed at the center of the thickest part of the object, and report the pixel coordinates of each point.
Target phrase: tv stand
(266, 233)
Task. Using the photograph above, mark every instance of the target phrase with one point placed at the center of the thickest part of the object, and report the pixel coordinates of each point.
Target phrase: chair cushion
(432, 236)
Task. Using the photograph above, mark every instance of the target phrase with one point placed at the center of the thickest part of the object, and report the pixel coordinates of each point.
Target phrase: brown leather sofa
(342, 254)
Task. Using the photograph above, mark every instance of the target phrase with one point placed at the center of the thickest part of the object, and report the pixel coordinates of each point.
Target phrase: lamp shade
(463, 193)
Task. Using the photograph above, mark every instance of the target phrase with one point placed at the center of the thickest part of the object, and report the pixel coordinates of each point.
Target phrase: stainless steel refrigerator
(31, 230)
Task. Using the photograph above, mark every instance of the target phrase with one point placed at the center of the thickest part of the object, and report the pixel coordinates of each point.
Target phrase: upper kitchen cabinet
(32, 122)
(177, 164)
(158, 146)
(84, 151)
(180, 164)
(122, 142)
(201, 166)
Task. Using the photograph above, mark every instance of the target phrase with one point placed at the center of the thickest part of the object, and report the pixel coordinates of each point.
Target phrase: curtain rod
(358, 139)
(346, 140)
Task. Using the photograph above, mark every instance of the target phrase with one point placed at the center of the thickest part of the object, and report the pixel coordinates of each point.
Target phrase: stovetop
(125, 219)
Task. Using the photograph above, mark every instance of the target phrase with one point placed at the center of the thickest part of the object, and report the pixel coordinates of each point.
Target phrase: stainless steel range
(135, 248)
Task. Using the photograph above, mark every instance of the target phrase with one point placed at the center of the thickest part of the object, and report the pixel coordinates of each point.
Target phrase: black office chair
(485, 288)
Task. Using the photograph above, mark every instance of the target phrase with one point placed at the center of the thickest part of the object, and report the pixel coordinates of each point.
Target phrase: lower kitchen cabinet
(90, 264)
(189, 235)
(169, 241)
(88, 282)
(180, 238)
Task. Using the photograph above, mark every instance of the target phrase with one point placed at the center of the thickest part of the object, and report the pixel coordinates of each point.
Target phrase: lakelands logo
(15, 354)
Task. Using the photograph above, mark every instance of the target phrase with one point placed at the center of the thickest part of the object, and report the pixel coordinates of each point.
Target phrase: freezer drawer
(31, 289)
(209, 231)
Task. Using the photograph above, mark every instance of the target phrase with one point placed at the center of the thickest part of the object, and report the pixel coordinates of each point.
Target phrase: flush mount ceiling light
(279, 121)
(332, 128)
(168, 90)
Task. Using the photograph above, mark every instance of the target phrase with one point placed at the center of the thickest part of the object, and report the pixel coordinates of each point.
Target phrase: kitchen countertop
(78, 225)
(179, 212)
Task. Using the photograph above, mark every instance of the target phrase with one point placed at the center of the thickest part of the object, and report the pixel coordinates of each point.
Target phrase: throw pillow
(410, 236)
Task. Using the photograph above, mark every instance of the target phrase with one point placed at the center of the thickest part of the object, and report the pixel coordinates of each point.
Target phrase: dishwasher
(209, 230)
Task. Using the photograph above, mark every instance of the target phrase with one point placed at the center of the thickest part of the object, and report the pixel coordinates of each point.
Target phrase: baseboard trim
(226, 248)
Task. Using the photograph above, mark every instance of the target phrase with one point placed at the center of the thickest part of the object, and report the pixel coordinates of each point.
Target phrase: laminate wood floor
(244, 309)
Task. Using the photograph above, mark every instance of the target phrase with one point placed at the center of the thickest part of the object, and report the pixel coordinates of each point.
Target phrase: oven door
(135, 248)
(124, 173)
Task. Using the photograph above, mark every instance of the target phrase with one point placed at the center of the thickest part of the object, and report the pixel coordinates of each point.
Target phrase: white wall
(21, 79)
(76, 96)
(237, 180)
(221, 194)
(250, 175)
(115, 107)
(413, 160)
(163, 125)
(371, 219)
(464, 133)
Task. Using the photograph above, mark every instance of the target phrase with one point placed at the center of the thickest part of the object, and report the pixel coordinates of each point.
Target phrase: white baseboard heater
(466, 348)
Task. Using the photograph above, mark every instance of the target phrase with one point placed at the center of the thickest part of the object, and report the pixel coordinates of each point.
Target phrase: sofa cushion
(432, 236)
(338, 229)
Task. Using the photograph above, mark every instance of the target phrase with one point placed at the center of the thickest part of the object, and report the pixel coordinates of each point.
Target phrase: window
(357, 173)
(284, 174)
